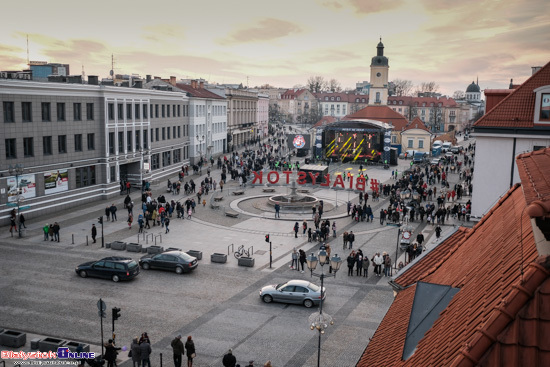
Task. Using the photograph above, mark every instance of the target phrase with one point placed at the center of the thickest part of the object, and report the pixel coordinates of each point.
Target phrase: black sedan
(177, 261)
(114, 268)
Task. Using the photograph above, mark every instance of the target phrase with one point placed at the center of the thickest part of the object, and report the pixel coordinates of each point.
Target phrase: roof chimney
(201, 85)
(93, 80)
(194, 84)
(534, 69)
(148, 78)
(173, 80)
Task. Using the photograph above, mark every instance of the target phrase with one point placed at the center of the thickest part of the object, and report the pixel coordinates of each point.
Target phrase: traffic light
(116, 313)
(100, 220)
(267, 238)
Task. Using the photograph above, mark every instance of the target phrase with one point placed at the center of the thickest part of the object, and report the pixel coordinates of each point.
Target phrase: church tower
(379, 68)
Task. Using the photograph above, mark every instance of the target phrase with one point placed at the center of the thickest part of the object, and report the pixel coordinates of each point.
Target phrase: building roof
(380, 113)
(473, 88)
(533, 169)
(344, 97)
(292, 93)
(198, 92)
(408, 101)
(518, 108)
(325, 120)
(417, 123)
(429, 261)
(501, 314)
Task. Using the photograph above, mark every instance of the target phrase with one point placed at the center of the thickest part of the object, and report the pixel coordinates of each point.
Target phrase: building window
(163, 133)
(410, 144)
(145, 140)
(113, 173)
(78, 142)
(177, 155)
(138, 141)
(46, 111)
(174, 110)
(129, 141)
(157, 134)
(89, 111)
(8, 112)
(157, 111)
(128, 111)
(121, 142)
(394, 139)
(378, 97)
(85, 176)
(77, 112)
(111, 143)
(61, 112)
(179, 110)
(47, 145)
(136, 109)
(421, 144)
(168, 110)
(120, 111)
(163, 111)
(144, 111)
(179, 131)
(11, 149)
(26, 111)
(166, 159)
(155, 161)
(91, 141)
(545, 107)
(111, 111)
(62, 144)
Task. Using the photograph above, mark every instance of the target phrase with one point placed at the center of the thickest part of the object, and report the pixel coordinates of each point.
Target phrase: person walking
(351, 263)
(377, 261)
(94, 232)
(366, 264)
(22, 221)
(56, 229)
(302, 259)
(166, 224)
(437, 231)
(359, 263)
(351, 238)
(190, 348)
(277, 209)
(334, 229)
(111, 353)
(304, 227)
(130, 220)
(13, 225)
(46, 229)
(296, 229)
(294, 263)
(178, 350)
(113, 210)
(387, 265)
(108, 212)
(145, 353)
(136, 353)
(229, 359)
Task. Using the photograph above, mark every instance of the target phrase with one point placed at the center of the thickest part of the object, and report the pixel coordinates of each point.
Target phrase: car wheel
(308, 303)
(267, 298)
(83, 273)
(179, 270)
(145, 266)
(115, 278)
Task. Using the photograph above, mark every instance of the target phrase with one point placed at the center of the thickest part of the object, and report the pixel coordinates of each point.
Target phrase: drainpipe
(512, 165)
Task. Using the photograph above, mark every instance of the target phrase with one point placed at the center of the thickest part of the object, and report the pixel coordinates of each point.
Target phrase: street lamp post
(17, 170)
(318, 320)
(200, 139)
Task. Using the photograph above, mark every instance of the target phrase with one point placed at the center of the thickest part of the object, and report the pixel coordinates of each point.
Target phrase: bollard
(86, 240)
(138, 238)
(73, 238)
(161, 360)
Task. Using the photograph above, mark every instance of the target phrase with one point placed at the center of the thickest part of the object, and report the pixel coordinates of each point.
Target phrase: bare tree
(316, 84)
(298, 86)
(427, 87)
(458, 94)
(402, 87)
(334, 85)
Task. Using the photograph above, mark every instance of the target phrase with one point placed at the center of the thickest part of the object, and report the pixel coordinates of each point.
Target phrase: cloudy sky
(284, 42)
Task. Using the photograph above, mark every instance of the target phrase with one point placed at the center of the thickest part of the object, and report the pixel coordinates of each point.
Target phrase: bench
(240, 192)
(268, 189)
(232, 214)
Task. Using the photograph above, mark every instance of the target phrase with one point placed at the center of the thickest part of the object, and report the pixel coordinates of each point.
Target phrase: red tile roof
(380, 113)
(494, 295)
(198, 92)
(325, 121)
(292, 93)
(534, 171)
(518, 108)
(344, 97)
(417, 124)
(420, 268)
(494, 96)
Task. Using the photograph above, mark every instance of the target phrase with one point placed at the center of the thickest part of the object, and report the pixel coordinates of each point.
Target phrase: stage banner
(56, 181)
(298, 141)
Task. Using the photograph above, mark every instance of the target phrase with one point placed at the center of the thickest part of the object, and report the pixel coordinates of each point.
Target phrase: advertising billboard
(26, 184)
(298, 141)
(56, 181)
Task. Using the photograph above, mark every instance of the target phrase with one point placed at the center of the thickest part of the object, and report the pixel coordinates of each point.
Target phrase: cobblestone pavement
(218, 304)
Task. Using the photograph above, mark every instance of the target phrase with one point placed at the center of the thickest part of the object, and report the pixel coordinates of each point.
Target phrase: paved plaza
(218, 304)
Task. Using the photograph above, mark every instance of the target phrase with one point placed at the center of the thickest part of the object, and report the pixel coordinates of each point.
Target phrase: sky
(284, 42)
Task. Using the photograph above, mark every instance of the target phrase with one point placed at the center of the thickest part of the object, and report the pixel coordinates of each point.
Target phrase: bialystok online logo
(62, 353)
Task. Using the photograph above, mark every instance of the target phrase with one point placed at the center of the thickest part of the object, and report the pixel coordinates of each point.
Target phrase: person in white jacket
(378, 261)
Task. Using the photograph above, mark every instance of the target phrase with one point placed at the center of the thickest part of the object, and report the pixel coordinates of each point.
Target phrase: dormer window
(363, 100)
(357, 100)
(337, 98)
(326, 98)
(542, 105)
(400, 102)
(332, 98)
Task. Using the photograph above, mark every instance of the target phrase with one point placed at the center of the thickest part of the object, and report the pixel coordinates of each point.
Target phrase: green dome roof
(473, 88)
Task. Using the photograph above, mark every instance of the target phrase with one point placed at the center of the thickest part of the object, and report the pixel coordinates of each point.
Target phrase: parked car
(177, 261)
(420, 157)
(293, 291)
(435, 161)
(446, 147)
(449, 155)
(114, 268)
(456, 149)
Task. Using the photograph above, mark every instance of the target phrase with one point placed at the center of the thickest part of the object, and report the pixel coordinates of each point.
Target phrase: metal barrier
(251, 251)
(232, 249)
(158, 235)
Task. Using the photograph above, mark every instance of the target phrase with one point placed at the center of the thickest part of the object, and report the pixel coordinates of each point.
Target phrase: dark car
(114, 268)
(177, 261)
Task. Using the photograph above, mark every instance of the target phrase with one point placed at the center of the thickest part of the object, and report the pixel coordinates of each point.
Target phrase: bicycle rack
(251, 251)
(147, 237)
(143, 233)
(232, 249)
(158, 235)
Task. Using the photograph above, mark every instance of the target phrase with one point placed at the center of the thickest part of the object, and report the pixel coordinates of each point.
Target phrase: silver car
(293, 291)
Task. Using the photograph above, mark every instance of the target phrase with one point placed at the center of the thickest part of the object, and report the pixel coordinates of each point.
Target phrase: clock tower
(379, 66)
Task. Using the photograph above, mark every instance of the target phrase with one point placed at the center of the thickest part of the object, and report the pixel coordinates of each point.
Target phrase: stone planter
(119, 246)
(35, 343)
(218, 258)
(155, 249)
(133, 247)
(50, 344)
(73, 345)
(195, 253)
(246, 261)
(107, 244)
(13, 339)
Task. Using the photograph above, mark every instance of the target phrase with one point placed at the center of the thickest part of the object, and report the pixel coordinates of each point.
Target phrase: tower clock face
(378, 75)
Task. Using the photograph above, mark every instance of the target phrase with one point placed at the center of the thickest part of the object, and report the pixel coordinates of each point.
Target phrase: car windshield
(280, 285)
(132, 265)
(314, 287)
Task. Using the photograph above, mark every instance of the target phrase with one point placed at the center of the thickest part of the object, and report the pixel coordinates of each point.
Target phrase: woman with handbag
(190, 347)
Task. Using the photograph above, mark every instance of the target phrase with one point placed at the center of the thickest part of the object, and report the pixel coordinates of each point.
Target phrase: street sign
(146, 166)
(24, 207)
(101, 306)
(101, 314)
(12, 204)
